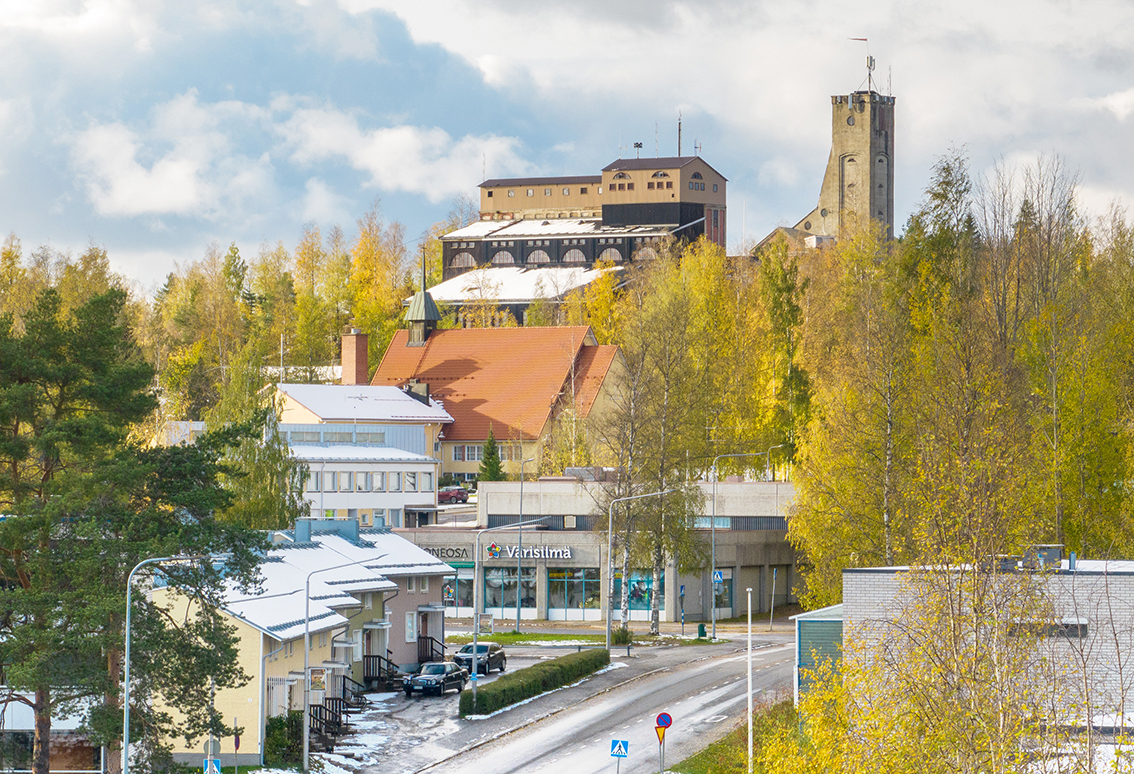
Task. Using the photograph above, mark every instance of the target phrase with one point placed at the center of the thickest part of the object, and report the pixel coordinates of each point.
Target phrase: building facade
(560, 566)
(615, 216)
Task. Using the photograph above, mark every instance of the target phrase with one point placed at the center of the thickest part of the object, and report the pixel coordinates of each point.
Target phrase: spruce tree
(490, 467)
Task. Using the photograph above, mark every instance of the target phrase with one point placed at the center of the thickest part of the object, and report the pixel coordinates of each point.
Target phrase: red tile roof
(509, 378)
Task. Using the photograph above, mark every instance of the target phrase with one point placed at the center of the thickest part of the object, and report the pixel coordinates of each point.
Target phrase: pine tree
(490, 467)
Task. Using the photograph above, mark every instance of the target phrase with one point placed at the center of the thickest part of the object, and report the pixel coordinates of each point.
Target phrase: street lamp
(713, 531)
(307, 652)
(610, 554)
(520, 547)
(476, 593)
(749, 681)
(126, 655)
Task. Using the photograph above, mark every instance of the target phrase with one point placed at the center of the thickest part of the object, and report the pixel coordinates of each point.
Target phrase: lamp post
(476, 594)
(307, 653)
(610, 554)
(126, 654)
(749, 681)
(520, 548)
(713, 531)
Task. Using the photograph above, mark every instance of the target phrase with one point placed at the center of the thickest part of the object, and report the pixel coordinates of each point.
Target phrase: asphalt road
(703, 689)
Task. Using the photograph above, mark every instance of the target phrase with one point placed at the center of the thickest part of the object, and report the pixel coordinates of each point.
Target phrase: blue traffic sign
(664, 720)
(619, 748)
(212, 766)
(682, 590)
(718, 576)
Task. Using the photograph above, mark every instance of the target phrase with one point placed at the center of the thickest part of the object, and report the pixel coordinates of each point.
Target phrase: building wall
(409, 598)
(370, 507)
(242, 703)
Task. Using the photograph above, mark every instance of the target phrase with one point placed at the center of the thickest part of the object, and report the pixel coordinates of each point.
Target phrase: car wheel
(409, 694)
(503, 664)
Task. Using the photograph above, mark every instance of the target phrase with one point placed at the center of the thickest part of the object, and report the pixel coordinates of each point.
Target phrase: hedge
(539, 678)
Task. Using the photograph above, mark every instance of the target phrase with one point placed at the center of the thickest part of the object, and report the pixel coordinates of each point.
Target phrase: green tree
(84, 504)
(491, 468)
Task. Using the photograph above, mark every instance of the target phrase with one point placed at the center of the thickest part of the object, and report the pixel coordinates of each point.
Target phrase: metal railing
(430, 649)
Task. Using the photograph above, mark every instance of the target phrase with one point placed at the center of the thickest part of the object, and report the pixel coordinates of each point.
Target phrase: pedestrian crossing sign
(212, 766)
(619, 748)
(718, 576)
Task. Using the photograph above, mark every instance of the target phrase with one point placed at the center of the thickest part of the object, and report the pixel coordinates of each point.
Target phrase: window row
(366, 481)
(470, 453)
(506, 258)
(314, 436)
(668, 184)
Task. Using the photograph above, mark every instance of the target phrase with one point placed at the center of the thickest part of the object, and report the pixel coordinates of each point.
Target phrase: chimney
(356, 366)
(418, 390)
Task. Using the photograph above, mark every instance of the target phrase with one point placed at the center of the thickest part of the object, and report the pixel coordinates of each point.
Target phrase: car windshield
(433, 669)
(479, 649)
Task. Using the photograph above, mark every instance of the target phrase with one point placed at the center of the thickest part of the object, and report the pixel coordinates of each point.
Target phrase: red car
(453, 494)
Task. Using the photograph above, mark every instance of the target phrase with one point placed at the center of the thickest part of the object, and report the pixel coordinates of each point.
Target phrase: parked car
(436, 676)
(490, 655)
(453, 494)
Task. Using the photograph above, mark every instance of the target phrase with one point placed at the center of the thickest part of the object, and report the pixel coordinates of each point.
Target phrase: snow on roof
(552, 227)
(363, 403)
(344, 453)
(279, 609)
(506, 284)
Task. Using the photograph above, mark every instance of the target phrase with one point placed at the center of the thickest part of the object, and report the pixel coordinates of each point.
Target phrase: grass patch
(729, 755)
(539, 678)
(512, 638)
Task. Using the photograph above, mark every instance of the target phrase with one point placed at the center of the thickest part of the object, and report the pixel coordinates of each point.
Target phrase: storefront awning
(422, 508)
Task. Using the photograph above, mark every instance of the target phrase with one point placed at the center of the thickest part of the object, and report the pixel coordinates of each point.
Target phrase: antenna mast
(869, 63)
(679, 134)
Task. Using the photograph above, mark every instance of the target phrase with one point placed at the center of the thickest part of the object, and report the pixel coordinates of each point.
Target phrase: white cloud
(423, 160)
(1120, 103)
(322, 205)
(199, 174)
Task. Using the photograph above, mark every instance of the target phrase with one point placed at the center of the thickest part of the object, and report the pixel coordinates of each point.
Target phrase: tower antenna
(679, 134)
(869, 64)
(656, 152)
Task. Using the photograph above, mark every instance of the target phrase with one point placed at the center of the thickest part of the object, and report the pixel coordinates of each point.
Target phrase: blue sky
(157, 128)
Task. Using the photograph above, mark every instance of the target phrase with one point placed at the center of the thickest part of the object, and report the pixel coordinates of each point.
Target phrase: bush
(283, 740)
(525, 683)
(621, 636)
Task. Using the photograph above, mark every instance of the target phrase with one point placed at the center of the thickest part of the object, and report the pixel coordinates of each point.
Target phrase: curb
(552, 713)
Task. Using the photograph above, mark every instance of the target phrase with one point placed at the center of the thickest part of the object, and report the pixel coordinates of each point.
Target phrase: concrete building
(616, 216)
(564, 560)
(858, 183)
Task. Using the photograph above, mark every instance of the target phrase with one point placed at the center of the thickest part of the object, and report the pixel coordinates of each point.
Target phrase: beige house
(362, 621)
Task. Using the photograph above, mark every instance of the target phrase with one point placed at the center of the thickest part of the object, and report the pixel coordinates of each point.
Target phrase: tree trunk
(42, 750)
(626, 583)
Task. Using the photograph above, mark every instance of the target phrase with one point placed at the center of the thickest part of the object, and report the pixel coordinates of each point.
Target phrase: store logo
(494, 551)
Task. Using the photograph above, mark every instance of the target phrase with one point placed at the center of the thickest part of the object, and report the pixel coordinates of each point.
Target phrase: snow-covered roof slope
(280, 607)
(363, 403)
(516, 283)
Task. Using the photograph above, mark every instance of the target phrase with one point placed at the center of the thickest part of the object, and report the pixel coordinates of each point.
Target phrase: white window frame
(411, 627)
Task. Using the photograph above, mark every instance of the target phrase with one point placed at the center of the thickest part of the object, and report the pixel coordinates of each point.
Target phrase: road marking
(716, 718)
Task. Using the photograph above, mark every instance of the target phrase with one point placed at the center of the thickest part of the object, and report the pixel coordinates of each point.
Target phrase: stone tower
(859, 181)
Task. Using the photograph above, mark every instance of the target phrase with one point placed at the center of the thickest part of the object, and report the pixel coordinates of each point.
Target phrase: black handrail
(353, 691)
(430, 649)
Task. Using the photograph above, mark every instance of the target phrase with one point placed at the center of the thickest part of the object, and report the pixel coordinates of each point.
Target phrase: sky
(156, 129)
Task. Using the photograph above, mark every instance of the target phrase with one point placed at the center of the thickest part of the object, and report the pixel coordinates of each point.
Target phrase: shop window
(457, 590)
(500, 588)
(641, 589)
(574, 588)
